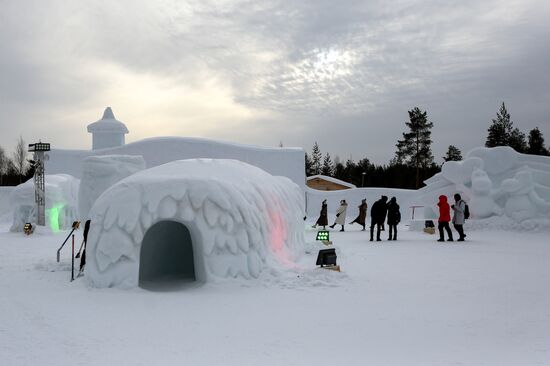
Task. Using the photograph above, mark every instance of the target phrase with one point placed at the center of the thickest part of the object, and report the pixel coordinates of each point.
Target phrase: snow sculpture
(241, 220)
(100, 173)
(61, 202)
(483, 195)
(495, 181)
(108, 131)
(523, 202)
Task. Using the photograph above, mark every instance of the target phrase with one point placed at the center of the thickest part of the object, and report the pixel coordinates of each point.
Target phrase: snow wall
(495, 182)
(101, 172)
(287, 162)
(61, 202)
(353, 197)
(5, 208)
(240, 218)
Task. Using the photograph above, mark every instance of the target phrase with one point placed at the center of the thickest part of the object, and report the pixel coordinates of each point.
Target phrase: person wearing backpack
(460, 211)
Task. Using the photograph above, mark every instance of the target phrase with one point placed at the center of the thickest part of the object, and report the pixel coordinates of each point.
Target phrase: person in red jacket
(444, 219)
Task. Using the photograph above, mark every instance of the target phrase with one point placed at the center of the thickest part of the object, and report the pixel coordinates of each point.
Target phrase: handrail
(75, 225)
(62, 245)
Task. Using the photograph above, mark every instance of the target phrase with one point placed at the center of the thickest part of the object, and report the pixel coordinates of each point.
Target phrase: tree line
(503, 133)
(413, 161)
(14, 167)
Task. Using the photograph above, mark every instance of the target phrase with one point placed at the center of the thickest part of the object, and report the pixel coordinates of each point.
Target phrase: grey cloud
(344, 74)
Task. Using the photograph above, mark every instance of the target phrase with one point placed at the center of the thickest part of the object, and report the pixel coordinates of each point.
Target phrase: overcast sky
(343, 73)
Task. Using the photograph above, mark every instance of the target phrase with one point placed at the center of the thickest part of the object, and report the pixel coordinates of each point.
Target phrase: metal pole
(72, 263)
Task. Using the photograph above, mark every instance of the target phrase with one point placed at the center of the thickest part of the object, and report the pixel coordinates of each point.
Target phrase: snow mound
(505, 223)
(241, 220)
(100, 173)
(496, 182)
(61, 202)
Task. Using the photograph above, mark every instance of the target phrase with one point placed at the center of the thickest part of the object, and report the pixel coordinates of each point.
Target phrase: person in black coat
(378, 213)
(394, 217)
(362, 217)
(323, 216)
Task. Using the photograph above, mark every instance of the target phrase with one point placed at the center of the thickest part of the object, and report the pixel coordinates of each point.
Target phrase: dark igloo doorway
(166, 259)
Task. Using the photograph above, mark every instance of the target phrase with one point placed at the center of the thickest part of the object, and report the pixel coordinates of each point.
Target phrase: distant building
(107, 132)
(325, 183)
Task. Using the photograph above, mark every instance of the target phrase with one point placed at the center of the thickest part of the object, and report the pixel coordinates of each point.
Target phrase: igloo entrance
(166, 256)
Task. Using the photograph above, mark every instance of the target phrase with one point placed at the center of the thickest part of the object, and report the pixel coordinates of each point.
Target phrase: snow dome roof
(242, 220)
(108, 124)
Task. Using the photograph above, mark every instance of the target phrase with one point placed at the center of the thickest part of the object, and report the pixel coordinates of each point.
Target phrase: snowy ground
(410, 302)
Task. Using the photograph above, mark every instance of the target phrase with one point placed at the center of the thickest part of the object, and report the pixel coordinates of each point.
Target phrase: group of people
(379, 211)
(459, 216)
(383, 211)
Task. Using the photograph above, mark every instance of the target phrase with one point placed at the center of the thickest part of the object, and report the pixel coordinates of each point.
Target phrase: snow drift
(100, 173)
(495, 181)
(61, 202)
(240, 220)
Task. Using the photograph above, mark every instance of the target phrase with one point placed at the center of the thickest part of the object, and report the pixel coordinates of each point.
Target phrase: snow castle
(108, 135)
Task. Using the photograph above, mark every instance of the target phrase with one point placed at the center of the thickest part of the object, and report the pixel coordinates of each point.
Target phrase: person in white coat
(459, 209)
(341, 215)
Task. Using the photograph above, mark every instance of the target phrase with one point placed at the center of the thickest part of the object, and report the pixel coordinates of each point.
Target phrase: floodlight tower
(39, 149)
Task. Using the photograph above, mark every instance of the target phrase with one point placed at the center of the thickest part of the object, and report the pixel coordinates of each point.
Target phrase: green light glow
(53, 214)
(322, 235)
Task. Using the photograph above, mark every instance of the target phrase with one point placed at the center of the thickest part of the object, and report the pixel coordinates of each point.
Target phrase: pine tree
(20, 159)
(415, 148)
(517, 140)
(350, 169)
(327, 168)
(316, 157)
(500, 130)
(536, 143)
(453, 154)
(309, 168)
(340, 171)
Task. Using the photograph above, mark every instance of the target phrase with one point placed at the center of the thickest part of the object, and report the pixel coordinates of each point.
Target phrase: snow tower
(107, 132)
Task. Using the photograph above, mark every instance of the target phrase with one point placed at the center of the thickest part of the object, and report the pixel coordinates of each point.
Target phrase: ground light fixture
(324, 237)
(28, 229)
(327, 259)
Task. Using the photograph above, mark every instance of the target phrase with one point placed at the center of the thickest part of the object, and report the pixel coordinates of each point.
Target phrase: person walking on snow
(377, 217)
(394, 217)
(323, 216)
(341, 215)
(444, 218)
(458, 216)
(362, 214)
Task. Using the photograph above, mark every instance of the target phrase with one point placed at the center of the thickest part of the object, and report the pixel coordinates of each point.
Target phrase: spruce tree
(327, 168)
(309, 168)
(500, 130)
(536, 143)
(415, 148)
(316, 157)
(340, 171)
(516, 140)
(453, 154)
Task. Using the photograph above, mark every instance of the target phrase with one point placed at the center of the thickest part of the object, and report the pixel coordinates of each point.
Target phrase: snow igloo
(194, 220)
